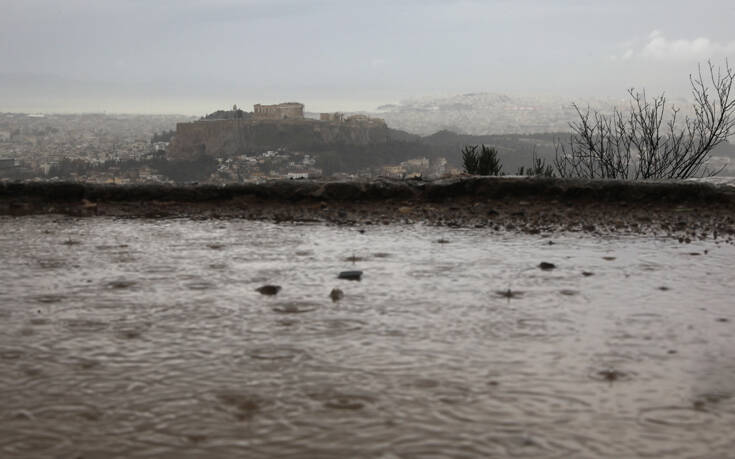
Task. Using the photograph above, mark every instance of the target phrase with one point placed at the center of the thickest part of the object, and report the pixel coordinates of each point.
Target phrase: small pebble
(509, 293)
(610, 375)
(269, 289)
(336, 295)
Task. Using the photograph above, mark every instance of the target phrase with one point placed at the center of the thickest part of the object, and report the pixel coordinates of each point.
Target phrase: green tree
(488, 162)
(484, 162)
(470, 159)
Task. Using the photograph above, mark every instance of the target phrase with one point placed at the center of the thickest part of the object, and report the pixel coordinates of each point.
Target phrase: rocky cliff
(224, 138)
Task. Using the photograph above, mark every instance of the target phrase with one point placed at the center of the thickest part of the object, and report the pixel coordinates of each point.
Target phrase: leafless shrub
(538, 167)
(644, 143)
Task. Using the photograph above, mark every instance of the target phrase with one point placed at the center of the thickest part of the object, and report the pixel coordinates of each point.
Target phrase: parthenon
(288, 110)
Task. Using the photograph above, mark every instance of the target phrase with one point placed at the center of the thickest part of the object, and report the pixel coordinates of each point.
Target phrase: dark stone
(268, 289)
(350, 275)
(610, 375)
(336, 294)
(546, 266)
(509, 293)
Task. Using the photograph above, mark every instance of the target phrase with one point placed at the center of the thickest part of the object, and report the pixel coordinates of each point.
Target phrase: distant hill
(488, 113)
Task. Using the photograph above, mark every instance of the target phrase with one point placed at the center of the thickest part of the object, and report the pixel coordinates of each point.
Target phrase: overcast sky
(190, 56)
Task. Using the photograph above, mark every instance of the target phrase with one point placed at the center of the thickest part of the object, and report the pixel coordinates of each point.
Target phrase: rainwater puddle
(625, 348)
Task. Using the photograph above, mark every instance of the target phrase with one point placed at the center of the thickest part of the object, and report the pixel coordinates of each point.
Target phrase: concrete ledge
(377, 190)
(686, 211)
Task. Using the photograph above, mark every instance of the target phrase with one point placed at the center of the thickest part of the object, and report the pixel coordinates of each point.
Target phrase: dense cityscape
(120, 149)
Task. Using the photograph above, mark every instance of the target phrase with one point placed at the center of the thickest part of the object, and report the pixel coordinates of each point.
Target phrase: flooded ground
(146, 338)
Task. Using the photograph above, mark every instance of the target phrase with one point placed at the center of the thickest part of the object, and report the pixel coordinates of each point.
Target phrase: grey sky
(191, 56)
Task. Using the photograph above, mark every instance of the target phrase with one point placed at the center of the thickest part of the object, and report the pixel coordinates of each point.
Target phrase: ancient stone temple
(288, 110)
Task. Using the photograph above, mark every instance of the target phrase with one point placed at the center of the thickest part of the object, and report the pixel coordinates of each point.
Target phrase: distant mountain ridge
(490, 113)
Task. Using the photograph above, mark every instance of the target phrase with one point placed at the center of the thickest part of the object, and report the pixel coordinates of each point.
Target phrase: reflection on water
(148, 338)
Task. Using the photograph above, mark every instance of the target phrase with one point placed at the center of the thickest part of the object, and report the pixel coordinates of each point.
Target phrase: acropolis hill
(271, 127)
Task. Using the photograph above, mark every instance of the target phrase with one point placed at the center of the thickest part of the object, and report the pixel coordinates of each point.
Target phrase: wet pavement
(147, 337)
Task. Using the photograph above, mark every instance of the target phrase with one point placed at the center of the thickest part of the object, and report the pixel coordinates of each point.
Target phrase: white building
(297, 175)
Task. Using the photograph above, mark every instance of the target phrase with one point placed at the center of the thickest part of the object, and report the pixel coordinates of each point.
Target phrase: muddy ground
(683, 210)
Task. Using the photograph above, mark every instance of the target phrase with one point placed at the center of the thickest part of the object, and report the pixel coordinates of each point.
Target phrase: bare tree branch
(642, 144)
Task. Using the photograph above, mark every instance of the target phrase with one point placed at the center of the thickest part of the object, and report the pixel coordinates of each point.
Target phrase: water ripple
(149, 339)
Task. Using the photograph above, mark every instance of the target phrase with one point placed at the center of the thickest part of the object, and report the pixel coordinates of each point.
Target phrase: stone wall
(336, 116)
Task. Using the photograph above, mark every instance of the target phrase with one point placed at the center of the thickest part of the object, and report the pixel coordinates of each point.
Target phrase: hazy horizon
(191, 57)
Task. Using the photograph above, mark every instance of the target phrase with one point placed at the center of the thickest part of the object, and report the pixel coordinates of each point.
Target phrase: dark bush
(470, 160)
(485, 162)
